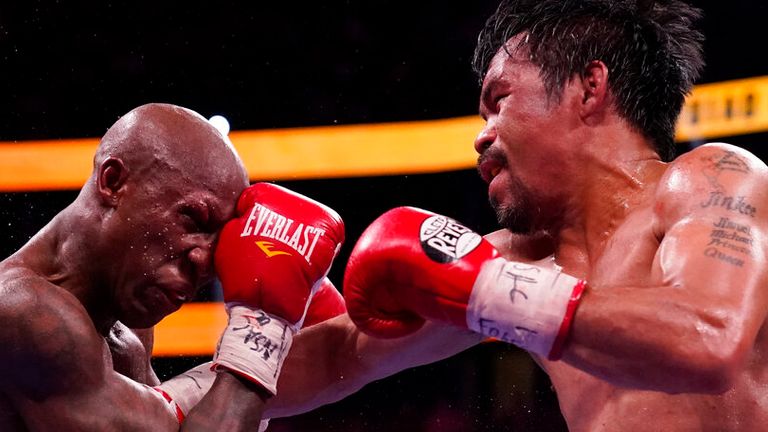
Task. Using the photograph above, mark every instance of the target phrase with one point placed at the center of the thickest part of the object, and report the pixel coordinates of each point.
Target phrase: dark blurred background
(70, 69)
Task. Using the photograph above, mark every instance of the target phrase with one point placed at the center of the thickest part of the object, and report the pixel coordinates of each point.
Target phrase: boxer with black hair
(636, 280)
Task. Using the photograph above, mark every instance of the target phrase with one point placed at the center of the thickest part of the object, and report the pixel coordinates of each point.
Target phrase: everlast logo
(265, 223)
(444, 240)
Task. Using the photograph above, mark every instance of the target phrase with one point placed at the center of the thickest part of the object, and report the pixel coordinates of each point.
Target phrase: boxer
(80, 298)
(637, 281)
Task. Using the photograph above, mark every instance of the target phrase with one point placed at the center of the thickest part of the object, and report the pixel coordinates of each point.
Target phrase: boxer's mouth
(495, 171)
(488, 167)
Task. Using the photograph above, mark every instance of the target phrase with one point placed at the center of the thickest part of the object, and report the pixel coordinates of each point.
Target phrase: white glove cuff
(524, 304)
(187, 389)
(254, 345)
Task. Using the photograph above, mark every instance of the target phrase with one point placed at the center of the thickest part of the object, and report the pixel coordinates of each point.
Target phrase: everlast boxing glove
(270, 260)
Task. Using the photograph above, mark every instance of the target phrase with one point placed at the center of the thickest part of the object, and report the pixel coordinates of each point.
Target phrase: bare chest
(125, 354)
(592, 405)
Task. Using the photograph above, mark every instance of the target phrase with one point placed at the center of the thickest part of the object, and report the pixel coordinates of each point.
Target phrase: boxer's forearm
(232, 404)
(334, 359)
(657, 338)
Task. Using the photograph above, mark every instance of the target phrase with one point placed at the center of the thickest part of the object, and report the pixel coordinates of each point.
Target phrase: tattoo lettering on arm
(729, 241)
(736, 204)
(728, 238)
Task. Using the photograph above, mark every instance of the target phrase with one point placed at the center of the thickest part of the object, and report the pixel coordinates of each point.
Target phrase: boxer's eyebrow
(485, 98)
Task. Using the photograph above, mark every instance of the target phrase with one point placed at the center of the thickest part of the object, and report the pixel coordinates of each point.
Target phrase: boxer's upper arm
(712, 213)
(56, 368)
(690, 327)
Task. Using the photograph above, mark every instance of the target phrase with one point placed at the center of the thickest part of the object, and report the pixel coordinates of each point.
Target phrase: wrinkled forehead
(212, 173)
(216, 198)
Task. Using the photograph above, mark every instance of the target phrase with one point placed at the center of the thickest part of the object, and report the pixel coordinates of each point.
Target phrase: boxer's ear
(594, 87)
(111, 179)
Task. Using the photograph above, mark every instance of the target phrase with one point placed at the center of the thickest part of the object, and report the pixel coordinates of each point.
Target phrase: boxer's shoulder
(44, 328)
(716, 174)
(23, 291)
(719, 157)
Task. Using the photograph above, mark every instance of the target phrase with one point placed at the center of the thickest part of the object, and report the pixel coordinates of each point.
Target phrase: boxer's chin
(515, 216)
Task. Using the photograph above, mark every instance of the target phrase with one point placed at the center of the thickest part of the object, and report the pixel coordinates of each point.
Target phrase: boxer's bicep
(57, 371)
(714, 240)
(689, 326)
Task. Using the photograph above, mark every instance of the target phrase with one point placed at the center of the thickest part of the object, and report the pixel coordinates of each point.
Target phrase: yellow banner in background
(712, 111)
(725, 109)
(193, 330)
(274, 154)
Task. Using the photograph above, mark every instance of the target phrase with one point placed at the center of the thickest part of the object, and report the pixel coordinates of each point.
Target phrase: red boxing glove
(327, 303)
(410, 265)
(270, 260)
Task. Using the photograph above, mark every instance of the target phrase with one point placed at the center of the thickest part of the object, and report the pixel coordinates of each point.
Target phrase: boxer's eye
(193, 219)
(497, 102)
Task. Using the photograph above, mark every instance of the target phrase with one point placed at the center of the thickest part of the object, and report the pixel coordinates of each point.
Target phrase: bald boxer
(136, 244)
(637, 282)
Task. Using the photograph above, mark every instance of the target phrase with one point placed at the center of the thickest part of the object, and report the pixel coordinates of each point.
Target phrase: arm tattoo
(728, 239)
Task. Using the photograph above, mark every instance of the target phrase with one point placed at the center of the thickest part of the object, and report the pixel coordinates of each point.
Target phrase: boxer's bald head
(164, 182)
(162, 140)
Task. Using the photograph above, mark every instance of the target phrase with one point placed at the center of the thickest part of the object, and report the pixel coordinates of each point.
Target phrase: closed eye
(194, 219)
(497, 102)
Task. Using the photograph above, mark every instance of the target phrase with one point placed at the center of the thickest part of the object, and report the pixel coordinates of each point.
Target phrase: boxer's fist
(276, 250)
(270, 260)
(411, 265)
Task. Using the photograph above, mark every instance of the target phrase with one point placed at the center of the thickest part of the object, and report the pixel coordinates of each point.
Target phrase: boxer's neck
(615, 179)
(64, 253)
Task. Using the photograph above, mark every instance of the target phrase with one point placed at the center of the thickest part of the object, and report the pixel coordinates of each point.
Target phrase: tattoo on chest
(729, 242)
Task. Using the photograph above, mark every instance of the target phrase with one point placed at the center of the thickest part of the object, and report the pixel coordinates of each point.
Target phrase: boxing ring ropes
(714, 110)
